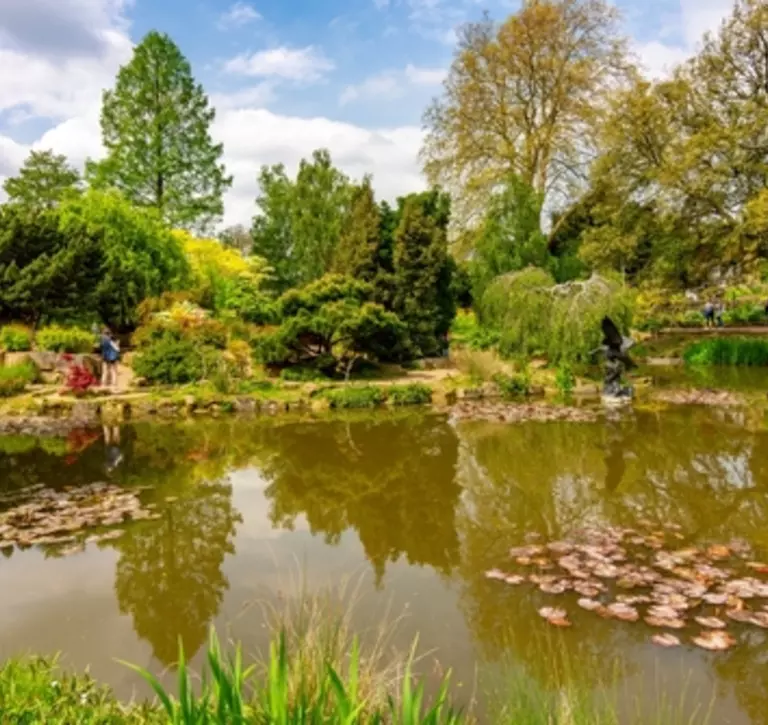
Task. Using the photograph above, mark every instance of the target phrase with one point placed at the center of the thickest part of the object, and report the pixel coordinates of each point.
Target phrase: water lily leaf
(711, 622)
(714, 641)
(665, 640)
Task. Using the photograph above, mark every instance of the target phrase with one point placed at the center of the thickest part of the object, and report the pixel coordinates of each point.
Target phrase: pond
(416, 509)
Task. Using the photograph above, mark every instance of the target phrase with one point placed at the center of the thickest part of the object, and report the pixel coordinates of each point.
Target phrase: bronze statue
(615, 349)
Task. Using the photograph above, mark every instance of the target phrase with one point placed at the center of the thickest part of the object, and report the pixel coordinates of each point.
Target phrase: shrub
(15, 378)
(173, 360)
(80, 380)
(356, 397)
(727, 351)
(413, 394)
(65, 339)
(744, 314)
(301, 374)
(16, 338)
(513, 386)
(533, 316)
(565, 380)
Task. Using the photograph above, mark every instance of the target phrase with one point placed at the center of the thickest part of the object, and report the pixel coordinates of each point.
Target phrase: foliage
(422, 272)
(565, 379)
(65, 339)
(155, 127)
(513, 386)
(301, 374)
(15, 378)
(465, 330)
(45, 270)
(138, 257)
(563, 322)
(727, 351)
(237, 237)
(510, 237)
(357, 252)
(330, 322)
(744, 314)
(174, 360)
(43, 181)
(79, 380)
(36, 691)
(412, 394)
(521, 98)
(15, 338)
(352, 396)
(299, 223)
(225, 281)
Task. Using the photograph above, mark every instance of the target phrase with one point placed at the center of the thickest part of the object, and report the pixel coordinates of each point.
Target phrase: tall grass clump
(728, 351)
(351, 397)
(536, 317)
(413, 394)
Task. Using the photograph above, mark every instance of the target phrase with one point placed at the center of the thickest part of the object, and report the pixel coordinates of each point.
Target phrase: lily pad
(715, 641)
(665, 640)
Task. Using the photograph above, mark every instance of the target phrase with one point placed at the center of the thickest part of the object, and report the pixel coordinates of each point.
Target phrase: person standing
(709, 314)
(110, 358)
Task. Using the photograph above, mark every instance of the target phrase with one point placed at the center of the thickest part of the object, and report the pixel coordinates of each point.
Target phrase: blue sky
(286, 76)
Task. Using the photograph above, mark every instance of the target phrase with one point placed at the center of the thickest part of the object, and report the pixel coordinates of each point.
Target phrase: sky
(286, 76)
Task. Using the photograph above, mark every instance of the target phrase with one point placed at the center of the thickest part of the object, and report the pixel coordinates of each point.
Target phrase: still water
(415, 508)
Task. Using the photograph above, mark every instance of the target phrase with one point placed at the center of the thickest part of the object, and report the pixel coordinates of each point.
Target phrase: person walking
(110, 358)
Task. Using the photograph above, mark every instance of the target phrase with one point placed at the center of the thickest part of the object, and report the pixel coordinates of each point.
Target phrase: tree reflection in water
(700, 469)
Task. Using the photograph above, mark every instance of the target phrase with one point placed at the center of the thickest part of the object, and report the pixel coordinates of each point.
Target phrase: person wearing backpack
(110, 358)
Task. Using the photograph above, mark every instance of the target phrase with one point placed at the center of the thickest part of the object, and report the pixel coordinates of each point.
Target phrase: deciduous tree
(520, 98)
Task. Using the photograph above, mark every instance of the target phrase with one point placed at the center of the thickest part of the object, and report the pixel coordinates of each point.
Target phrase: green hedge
(413, 394)
(65, 339)
(368, 396)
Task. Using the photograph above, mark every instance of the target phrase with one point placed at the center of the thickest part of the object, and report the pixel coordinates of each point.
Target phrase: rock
(245, 405)
(84, 412)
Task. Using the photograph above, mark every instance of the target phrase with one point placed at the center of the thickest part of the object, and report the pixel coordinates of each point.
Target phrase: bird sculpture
(615, 348)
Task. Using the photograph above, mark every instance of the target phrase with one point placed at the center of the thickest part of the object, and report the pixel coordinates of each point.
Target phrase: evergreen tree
(357, 252)
(43, 180)
(156, 129)
(422, 272)
(45, 271)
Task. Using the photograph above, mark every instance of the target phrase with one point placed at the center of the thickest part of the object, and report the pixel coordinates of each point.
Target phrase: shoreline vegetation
(317, 670)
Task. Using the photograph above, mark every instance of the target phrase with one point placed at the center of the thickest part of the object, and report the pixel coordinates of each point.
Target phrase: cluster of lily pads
(497, 412)
(616, 572)
(45, 517)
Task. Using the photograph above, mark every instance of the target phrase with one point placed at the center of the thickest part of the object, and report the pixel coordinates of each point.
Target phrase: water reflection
(409, 488)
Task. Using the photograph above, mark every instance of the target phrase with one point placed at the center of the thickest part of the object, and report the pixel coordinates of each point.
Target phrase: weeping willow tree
(535, 316)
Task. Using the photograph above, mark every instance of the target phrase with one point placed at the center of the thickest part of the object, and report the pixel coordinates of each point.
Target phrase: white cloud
(391, 84)
(425, 76)
(295, 64)
(693, 19)
(238, 15)
(390, 154)
(258, 96)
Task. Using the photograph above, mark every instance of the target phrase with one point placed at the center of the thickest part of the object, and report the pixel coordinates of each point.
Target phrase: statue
(615, 349)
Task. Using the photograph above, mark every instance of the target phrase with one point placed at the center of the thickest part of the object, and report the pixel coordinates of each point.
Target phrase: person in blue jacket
(110, 357)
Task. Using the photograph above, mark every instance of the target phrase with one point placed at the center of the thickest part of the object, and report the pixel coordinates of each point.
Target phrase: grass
(728, 351)
(413, 394)
(318, 671)
(15, 378)
(354, 396)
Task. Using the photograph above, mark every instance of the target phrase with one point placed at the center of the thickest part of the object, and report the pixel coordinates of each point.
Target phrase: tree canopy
(43, 181)
(155, 127)
(521, 97)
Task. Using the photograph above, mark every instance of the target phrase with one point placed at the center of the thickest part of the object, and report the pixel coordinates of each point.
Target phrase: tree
(330, 322)
(222, 279)
(156, 129)
(422, 272)
(43, 181)
(300, 222)
(510, 237)
(237, 237)
(138, 255)
(45, 271)
(358, 249)
(520, 98)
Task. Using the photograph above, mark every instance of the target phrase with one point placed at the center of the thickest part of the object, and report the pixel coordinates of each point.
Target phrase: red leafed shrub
(80, 380)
